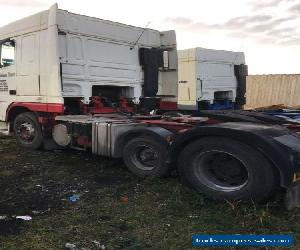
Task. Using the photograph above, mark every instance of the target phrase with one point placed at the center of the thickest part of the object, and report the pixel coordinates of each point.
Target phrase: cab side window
(7, 53)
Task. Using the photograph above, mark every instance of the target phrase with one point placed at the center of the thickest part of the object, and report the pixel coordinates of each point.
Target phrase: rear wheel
(145, 156)
(27, 130)
(227, 169)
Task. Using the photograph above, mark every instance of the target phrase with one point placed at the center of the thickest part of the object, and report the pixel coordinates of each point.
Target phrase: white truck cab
(211, 79)
(55, 61)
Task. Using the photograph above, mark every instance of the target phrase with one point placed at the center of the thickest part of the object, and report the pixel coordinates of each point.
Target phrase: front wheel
(224, 168)
(27, 130)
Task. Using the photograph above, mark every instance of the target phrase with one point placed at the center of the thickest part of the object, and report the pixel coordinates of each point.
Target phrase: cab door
(28, 77)
(7, 75)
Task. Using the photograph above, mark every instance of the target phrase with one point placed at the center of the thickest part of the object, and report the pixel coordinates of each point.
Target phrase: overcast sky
(268, 31)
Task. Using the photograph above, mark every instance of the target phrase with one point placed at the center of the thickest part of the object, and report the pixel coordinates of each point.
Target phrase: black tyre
(28, 131)
(145, 156)
(224, 168)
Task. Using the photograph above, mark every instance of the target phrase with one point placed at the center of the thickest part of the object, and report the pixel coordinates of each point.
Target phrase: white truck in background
(211, 79)
(91, 84)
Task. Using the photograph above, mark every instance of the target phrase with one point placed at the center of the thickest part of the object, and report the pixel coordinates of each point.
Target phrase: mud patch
(39, 183)
(26, 203)
(109, 181)
(11, 226)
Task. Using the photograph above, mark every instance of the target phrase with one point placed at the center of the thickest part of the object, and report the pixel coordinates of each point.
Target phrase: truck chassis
(234, 155)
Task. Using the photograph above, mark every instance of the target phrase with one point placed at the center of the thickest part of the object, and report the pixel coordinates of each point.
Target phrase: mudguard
(278, 144)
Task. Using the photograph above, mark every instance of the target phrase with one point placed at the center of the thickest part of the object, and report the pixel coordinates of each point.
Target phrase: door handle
(12, 92)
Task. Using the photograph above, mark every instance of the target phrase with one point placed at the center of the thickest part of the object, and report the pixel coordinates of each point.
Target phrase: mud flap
(292, 197)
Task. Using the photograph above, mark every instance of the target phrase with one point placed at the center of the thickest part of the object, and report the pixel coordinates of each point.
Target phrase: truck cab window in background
(7, 53)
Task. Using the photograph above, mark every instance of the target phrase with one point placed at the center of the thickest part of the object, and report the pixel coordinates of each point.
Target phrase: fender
(160, 134)
(38, 107)
(278, 144)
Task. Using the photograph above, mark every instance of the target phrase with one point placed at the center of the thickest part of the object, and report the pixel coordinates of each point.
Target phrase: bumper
(292, 197)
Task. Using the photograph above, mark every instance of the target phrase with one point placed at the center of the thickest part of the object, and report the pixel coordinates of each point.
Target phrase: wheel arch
(275, 154)
(56, 108)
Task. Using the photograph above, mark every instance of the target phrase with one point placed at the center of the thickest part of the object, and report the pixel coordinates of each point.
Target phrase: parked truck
(211, 79)
(94, 85)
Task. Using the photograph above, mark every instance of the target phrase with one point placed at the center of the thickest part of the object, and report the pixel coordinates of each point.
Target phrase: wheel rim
(145, 157)
(26, 132)
(221, 171)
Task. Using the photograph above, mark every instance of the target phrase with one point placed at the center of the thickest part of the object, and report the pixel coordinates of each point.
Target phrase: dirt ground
(115, 209)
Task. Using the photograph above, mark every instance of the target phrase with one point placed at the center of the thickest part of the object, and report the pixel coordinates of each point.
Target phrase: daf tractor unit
(111, 89)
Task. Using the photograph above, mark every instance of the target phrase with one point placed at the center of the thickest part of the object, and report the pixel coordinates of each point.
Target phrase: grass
(117, 209)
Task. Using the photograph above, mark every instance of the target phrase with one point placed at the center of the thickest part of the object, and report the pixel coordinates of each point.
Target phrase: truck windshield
(7, 54)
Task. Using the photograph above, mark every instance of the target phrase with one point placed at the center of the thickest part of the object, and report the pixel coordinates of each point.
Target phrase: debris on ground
(194, 216)
(26, 217)
(74, 198)
(36, 212)
(70, 246)
(124, 199)
(98, 245)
